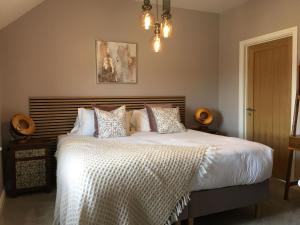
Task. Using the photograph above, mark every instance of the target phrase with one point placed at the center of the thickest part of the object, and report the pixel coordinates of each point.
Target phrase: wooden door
(268, 110)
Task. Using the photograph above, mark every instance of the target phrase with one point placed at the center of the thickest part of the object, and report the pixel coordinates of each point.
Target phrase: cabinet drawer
(29, 166)
(30, 173)
(30, 153)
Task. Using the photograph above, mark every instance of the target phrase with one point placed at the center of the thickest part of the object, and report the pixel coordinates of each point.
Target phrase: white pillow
(140, 120)
(85, 123)
(76, 128)
(167, 120)
(111, 124)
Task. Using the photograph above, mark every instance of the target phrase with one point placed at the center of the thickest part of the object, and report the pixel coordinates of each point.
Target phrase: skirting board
(2, 200)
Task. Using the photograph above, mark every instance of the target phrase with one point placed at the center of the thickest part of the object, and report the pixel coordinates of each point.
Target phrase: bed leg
(257, 208)
(191, 221)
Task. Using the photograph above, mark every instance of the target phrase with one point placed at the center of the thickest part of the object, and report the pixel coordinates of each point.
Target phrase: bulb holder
(166, 9)
(166, 15)
(147, 5)
(157, 28)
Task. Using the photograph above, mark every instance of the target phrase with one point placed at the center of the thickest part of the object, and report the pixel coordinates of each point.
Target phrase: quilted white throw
(112, 183)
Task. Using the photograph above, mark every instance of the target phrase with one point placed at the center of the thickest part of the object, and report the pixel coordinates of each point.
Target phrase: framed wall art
(116, 62)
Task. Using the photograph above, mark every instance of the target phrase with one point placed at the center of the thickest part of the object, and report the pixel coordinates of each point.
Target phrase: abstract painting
(116, 62)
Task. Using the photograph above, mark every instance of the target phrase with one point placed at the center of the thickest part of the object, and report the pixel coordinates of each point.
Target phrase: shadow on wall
(6, 137)
(218, 120)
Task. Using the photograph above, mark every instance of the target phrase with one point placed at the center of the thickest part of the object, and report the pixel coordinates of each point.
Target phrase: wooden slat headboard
(54, 116)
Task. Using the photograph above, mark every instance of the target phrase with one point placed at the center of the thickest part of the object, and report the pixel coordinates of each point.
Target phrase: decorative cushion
(111, 124)
(140, 120)
(107, 108)
(167, 120)
(151, 117)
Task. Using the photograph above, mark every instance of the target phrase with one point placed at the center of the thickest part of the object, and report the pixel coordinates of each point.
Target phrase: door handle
(250, 109)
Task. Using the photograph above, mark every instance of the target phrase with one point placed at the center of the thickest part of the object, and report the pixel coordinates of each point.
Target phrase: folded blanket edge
(208, 159)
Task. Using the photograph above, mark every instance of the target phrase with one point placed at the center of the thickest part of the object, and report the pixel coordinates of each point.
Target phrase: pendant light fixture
(157, 41)
(161, 29)
(166, 25)
(147, 17)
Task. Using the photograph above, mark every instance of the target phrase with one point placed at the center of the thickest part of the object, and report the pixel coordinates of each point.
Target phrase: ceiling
(216, 6)
(11, 10)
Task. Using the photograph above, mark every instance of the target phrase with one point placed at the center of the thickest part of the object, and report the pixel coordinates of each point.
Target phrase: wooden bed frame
(56, 115)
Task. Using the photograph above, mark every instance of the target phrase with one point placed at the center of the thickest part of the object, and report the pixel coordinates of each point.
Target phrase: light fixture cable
(156, 11)
(157, 39)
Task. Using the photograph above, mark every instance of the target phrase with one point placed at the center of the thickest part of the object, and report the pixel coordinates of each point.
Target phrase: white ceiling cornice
(11, 10)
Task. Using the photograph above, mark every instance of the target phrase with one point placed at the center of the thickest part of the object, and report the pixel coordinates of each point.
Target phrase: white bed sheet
(237, 161)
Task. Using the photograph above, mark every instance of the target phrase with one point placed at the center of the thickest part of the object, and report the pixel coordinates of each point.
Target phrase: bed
(239, 178)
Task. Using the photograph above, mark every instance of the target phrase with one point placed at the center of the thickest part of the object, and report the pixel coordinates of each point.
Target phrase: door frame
(243, 70)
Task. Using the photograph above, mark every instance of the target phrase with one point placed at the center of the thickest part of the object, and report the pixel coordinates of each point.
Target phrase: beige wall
(257, 17)
(51, 52)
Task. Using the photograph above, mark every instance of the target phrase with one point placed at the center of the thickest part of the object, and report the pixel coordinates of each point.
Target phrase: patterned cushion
(106, 108)
(111, 124)
(167, 120)
(151, 117)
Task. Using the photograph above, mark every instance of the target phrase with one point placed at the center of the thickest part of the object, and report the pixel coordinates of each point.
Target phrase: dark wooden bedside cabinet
(29, 166)
(204, 129)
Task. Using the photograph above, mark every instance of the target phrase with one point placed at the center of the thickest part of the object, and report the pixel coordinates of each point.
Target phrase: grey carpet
(38, 209)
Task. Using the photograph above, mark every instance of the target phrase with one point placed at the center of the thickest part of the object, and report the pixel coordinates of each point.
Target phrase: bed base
(222, 199)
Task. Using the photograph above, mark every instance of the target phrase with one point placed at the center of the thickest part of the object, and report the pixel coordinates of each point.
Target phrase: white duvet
(237, 161)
